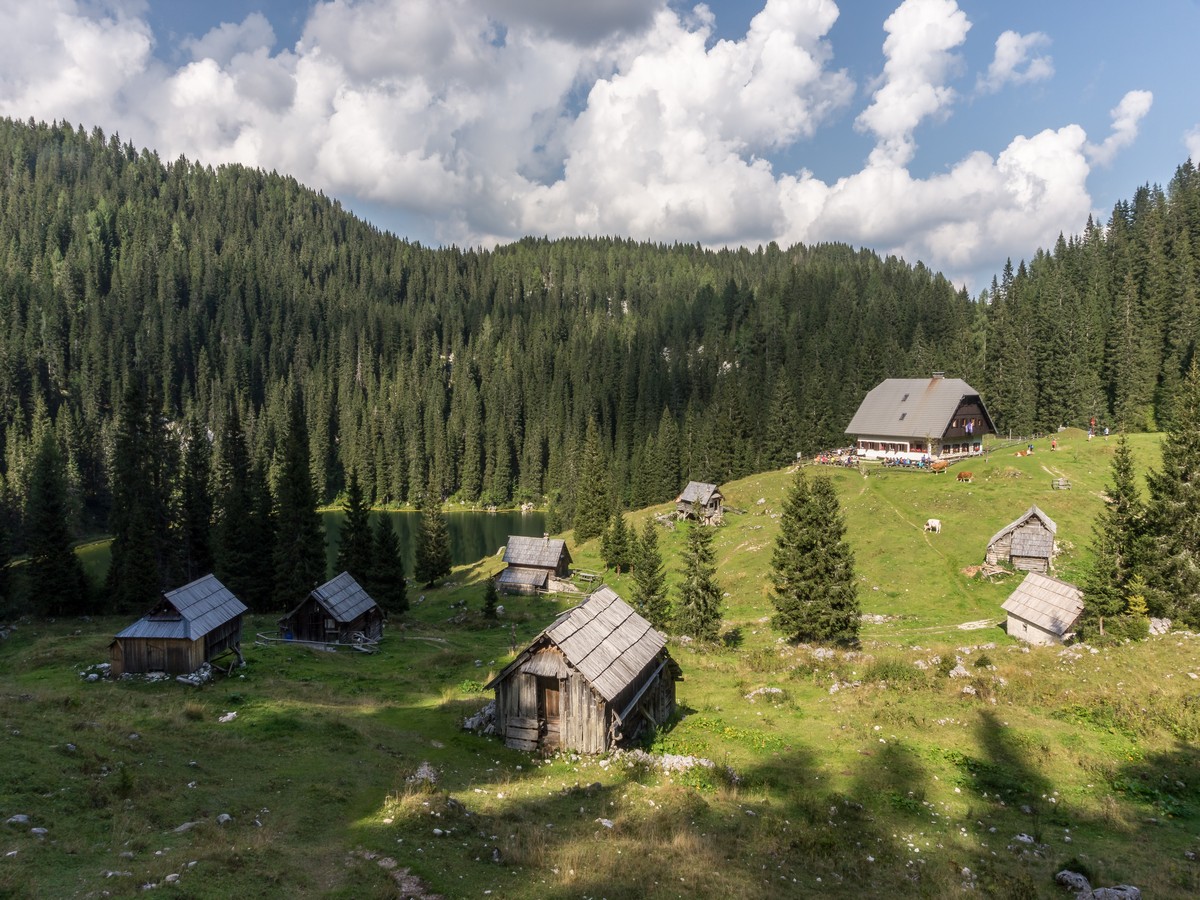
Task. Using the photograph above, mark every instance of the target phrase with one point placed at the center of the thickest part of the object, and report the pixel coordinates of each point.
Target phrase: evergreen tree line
(491, 376)
(1146, 551)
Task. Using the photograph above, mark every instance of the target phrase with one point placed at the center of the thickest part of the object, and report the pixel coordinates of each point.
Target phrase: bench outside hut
(1027, 543)
(1043, 610)
(592, 680)
(189, 626)
(702, 500)
(535, 564)
(337, 612)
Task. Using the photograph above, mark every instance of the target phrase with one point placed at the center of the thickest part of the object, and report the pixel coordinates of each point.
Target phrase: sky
(956, 134)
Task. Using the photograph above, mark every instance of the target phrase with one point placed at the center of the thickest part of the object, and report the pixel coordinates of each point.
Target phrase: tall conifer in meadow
(299, 535)
(649, 595)
(812, 567)
(1117, 545)
(698, 610)
(55, 581)
(433, 560)
(386, 582)
(355, 541)
(592, 502)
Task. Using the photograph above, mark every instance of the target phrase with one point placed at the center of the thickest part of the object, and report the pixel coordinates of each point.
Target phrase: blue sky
(954, 133)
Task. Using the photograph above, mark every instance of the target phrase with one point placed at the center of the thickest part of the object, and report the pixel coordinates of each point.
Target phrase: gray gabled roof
(603, 638)
(1046, 602)
(1030, 513)
(698, 492)
(914, 408)
(343, 598)
(534, 551)
(188, 612)
(518, 576)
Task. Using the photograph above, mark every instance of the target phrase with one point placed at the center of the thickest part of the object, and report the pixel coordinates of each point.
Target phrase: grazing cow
(934, 525)
(966, 476)
(938, 466)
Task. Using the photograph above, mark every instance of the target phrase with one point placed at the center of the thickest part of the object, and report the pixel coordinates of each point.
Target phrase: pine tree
(235, 546)
(299, 536)
(54, 574)
(7, 607)
(1173, 510)
(812, 567)
(591, 493)
(386, 582)
(1116, 542)
(491, 598)
(698, 611)
(650, 579)
(433, 542)
(355, 542)
(615, 544)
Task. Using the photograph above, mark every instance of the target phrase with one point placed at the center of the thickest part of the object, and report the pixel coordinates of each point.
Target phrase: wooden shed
(533, 564)
(1043, 610)
(1026, 543)
(337, 612)
(703, 500)
(191, 625)
(593, 679)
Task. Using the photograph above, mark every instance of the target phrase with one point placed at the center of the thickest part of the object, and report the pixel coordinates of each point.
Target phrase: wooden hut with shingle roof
(702, 500)
(533, 563)
(337, 612)
(597, 675)
(1027, 543)
(189, 626)
(1043, 610)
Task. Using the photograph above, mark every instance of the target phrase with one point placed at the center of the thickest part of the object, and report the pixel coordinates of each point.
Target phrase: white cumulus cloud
(1014, 62)
(1126, 116)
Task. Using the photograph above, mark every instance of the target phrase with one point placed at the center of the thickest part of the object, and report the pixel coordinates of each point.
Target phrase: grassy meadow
(868, 773)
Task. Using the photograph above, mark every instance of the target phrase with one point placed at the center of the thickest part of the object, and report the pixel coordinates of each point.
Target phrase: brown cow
(966, 476)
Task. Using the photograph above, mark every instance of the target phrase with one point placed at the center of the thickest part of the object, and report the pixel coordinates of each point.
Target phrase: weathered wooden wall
(175, 656)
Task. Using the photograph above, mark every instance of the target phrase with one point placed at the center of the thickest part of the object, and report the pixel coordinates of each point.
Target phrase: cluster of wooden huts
(202, 621)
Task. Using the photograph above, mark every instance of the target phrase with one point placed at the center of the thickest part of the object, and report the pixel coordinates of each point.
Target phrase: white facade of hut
(1043, 610)
(594, 678)
(1026, 543)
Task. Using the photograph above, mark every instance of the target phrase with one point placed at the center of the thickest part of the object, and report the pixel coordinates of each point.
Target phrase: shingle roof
(697, 492)
(1046, 602)
(604, 639)
(1021, 520)
(523, 577)
(343, 598)
(913, 407)
(188, 612)
(534, 551)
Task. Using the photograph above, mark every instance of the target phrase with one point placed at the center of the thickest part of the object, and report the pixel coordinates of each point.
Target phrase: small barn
(920, 418)
(1026, 543)
(189, 626)
(337, 612)
(1043, 610)
(702, 499)
(593, 679)
(533, 564)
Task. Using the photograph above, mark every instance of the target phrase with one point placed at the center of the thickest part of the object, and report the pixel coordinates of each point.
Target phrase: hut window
(902, 415)
(905, 397)
(330, 624)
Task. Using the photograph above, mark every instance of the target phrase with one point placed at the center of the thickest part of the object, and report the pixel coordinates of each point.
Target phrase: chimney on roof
(937, 375)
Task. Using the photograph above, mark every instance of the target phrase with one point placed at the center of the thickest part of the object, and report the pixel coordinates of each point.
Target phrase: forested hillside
(479, 371)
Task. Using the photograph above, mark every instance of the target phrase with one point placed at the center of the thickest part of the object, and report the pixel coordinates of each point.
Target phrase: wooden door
(548, 709)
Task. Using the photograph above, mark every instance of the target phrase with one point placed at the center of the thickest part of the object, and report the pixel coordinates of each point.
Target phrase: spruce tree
(592, 503)
(1173, 511)
(140, 566)
(386, 582)
(299, 536)
(1116, 544)
(196, 504)
(615, 544)
(649, 595)
(433, 542)
(698, 612)
(7, 607)
(812, 567)
(234, 548)
(491, 599)
(355, 542)
(55, 581)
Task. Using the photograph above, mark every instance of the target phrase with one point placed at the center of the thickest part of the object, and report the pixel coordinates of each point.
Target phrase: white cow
(934, 525)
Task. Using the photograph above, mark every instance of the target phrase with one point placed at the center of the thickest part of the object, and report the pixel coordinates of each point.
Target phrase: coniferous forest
(167, 325)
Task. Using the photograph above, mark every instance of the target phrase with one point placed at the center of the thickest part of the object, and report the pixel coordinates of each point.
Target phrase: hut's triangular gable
(1032, 513)
(915, 408)
(1046, 602)
(543, 552)
(343, 598)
